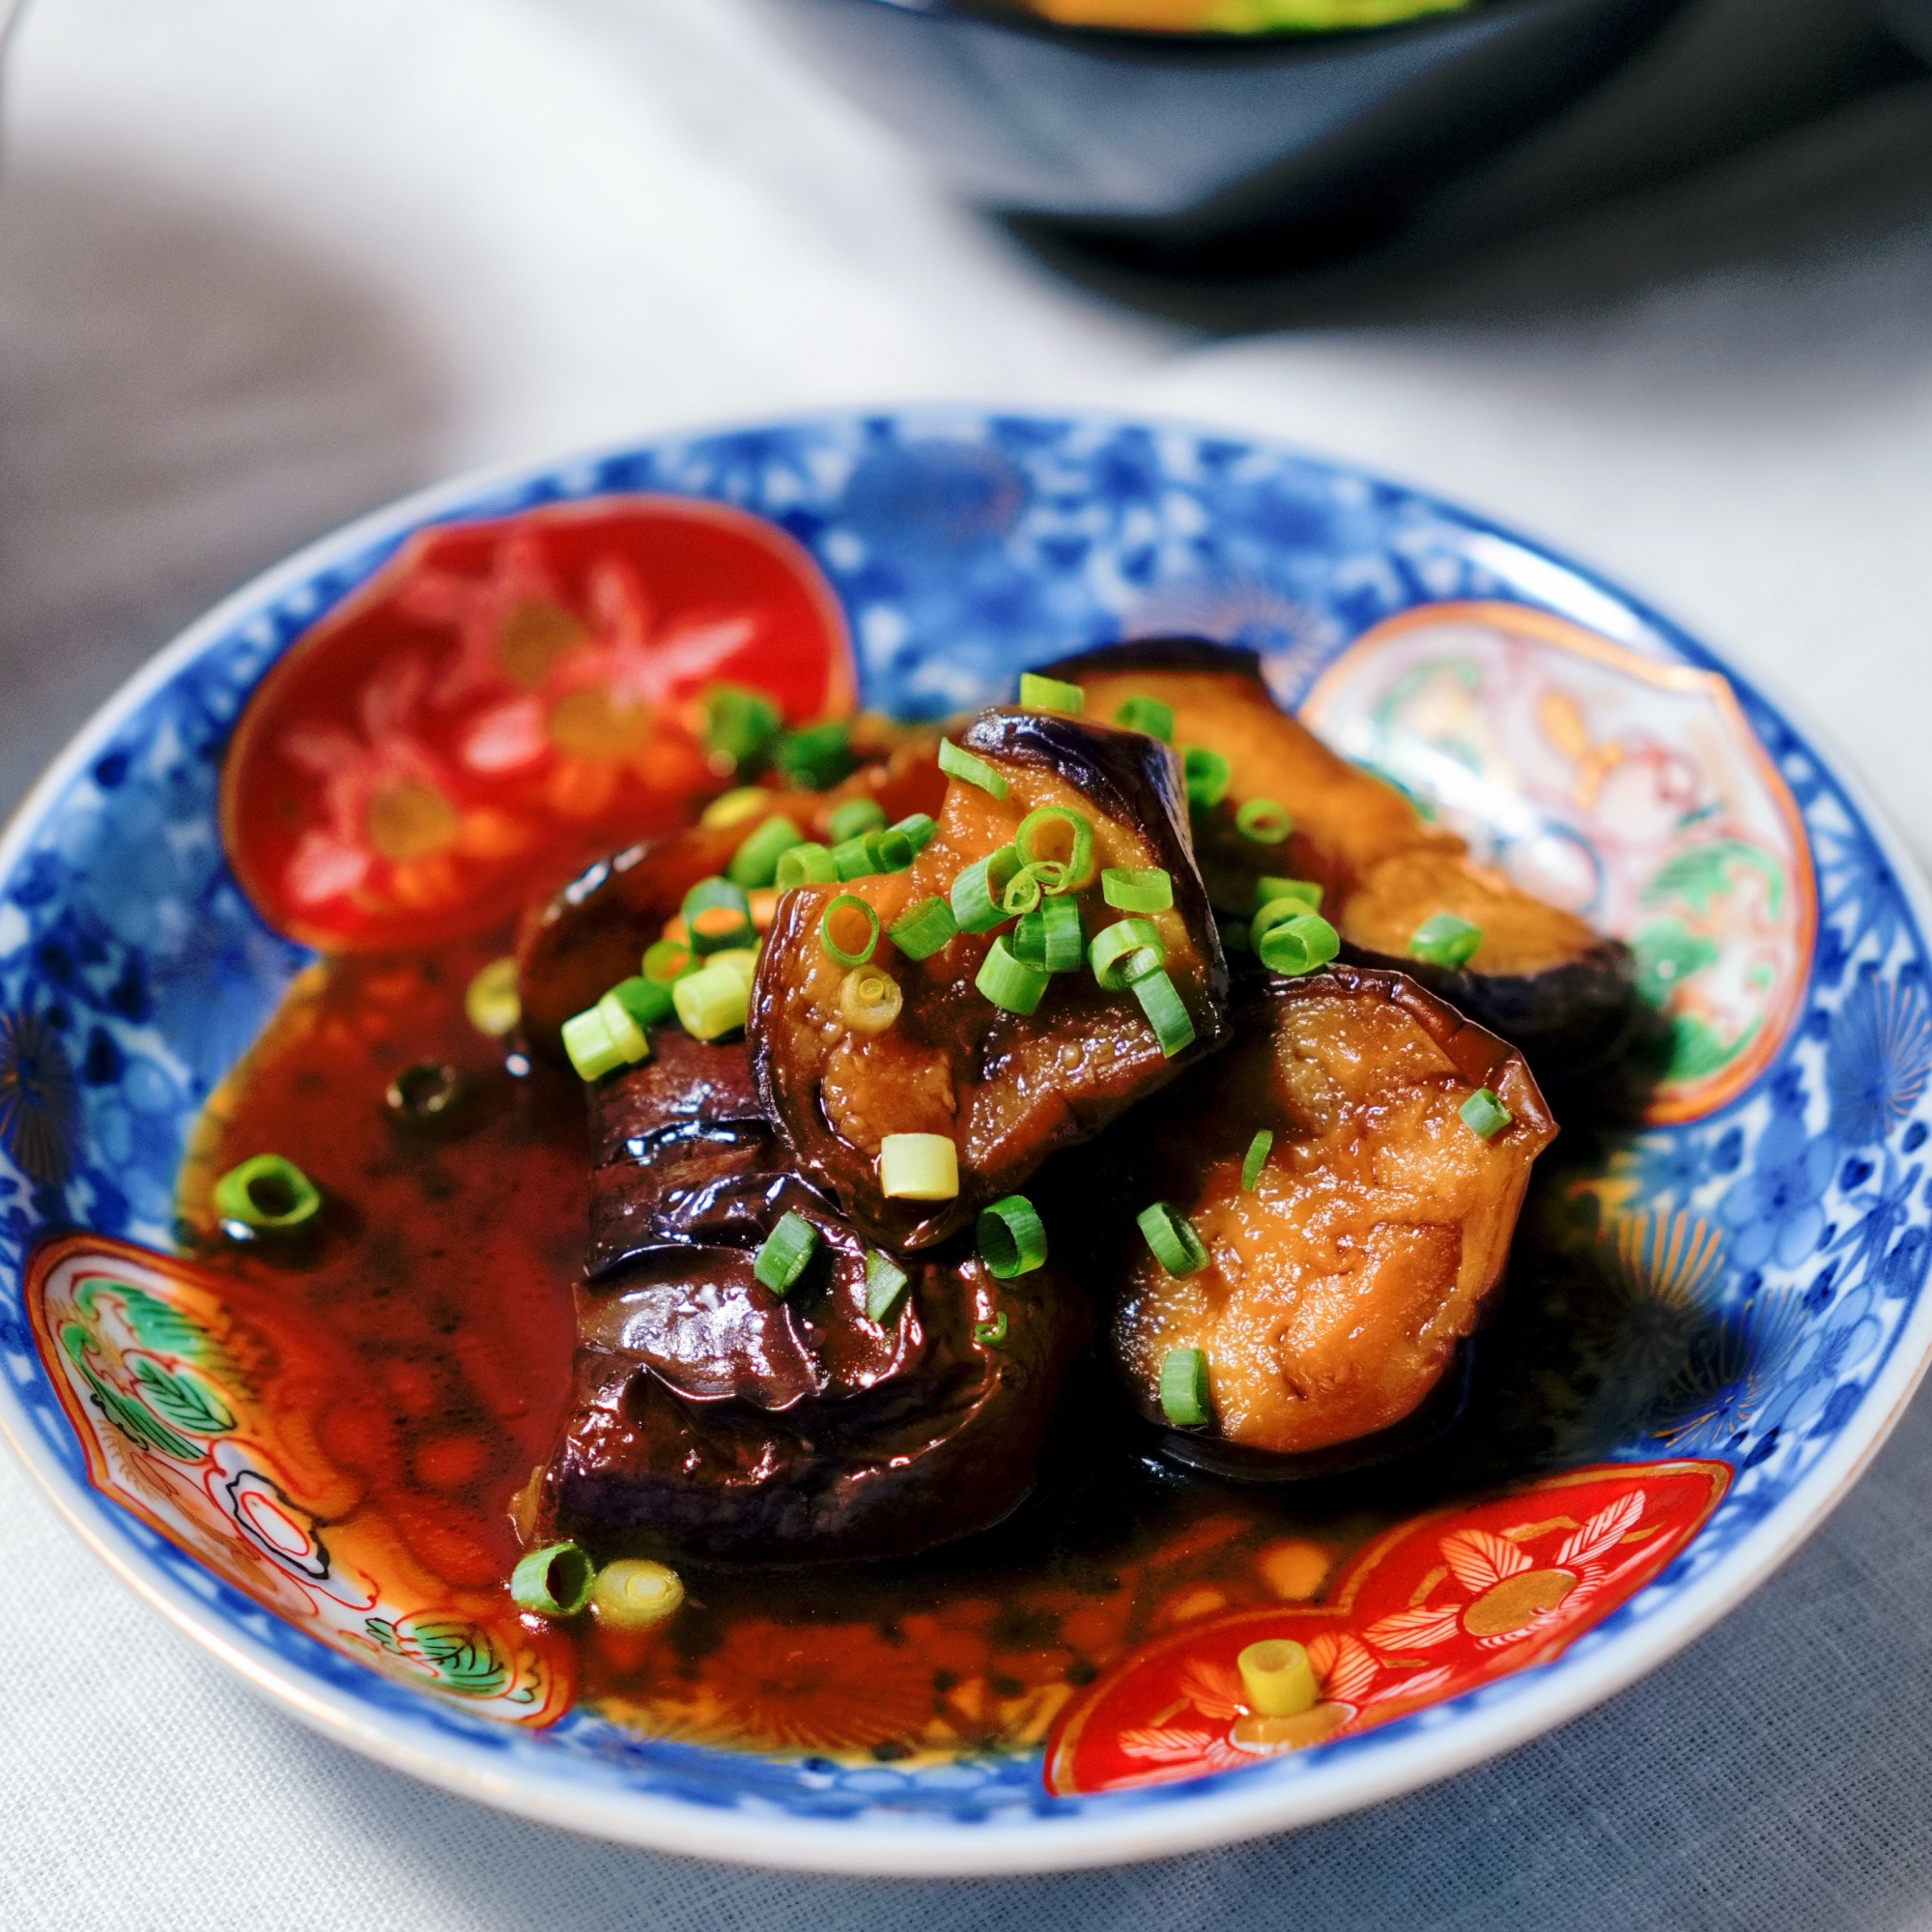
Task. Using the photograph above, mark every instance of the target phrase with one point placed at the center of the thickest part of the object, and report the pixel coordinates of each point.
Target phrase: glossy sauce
(444, 1270)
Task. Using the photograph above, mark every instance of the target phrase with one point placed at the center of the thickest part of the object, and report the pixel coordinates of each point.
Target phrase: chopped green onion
(554, 1581)
(959, 764)
(1048, 694)
(870, 999)
(919, 1167)
(267, 1193)
(1149, 715)
(785, 1254)
(594, 1049)
(1058, 875)
(491, 1001)
(979, 889)
(1151, 890)
(818, 756)
(635, 1594)
(738, 725)
(743, 960)
(839, 954)
(669, 959)
(1184, 1398)
(1051, 937)
(1206, 775)
(733, 807)
(1129, 949)
(1298, 945)
(1255, 1158)
(1303, 891)
(714, 1001)
(1444, 940)
(854, 818)
(754, 862)
(884, 1284)
(808, 864)
(1010, 983)
(1277, 1679)
(1263, 821)
(919, 828)
(923, 928)
(871, 853)
(1169, 1232)
(991, 1334)
(1011, 1237)
(1165, 1013)
(1483, 1115)
(715, 912)
(1022, 895)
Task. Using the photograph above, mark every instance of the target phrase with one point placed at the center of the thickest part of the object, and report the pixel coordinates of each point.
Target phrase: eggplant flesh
(712, 1419)
(1340, 1290)
(576, 945)
(1007, 1089)
(1541, 977)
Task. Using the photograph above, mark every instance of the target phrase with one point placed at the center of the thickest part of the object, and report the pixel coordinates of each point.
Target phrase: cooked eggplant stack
(925, 1037)
(753, 1384)
(1402, 893)
(1336, 1196)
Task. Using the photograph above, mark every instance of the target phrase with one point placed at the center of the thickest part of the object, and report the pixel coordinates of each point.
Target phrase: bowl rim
(1281, 45)
(880, 1843)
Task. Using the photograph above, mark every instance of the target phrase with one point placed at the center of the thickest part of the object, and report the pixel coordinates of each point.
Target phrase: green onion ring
(1147, 889)
(1129, 949)
(554, 1581)
(1169, 1232)
(923, 928)
(757, 859)
(959, 764)
(806, 865)
(1049, 693)
(1255, 1158)
(1268, 890)
(1058, 875)
(919, 828)
(1150, 715)
(1263, 821)
(268, 1194)
(884, 1284)
(1444, 940)
(1166, 1013)
(854, 819)
(1483, 1115)
(1010, 983)
(1206, 775)
(978, 891)
(1050, 936)
(1300, 945)
(715, 895)
(835, 952)
(991, 1334)
(785, 1254)
(1022, 895)
(1011, 1237)
(669, 959)
(1183, 1388)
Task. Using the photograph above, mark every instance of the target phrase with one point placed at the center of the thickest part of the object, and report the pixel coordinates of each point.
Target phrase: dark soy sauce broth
(443, 1269)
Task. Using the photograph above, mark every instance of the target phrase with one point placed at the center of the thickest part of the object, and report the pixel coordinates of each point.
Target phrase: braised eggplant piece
(843, 1418)
(1539, 975)
(582, 940)
(1006, 1086)
(1340, 1267)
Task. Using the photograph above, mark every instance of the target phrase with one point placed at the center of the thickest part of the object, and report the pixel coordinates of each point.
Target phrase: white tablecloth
(263, 266)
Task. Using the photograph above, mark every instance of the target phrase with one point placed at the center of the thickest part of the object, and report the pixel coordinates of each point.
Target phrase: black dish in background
(1213, 155)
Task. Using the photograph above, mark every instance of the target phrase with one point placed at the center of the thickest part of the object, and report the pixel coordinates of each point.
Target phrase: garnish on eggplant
(1542, 978)
(964, 1057)
(1328, 1275)
(591, 933)
(871, 1407)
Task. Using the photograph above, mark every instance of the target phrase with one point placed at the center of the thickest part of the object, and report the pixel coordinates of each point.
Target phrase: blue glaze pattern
(966, 546)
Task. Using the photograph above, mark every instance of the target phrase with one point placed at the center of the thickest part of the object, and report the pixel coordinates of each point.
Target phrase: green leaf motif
(459, 1655)
(1705, 872)
(182, 1398)
(145, 1429)
(1667, 953)
(155, 1323)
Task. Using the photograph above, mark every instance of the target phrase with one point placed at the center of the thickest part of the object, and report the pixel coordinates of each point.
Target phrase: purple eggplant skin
(713, 1420)
(1011, 1089)
(1573, 1020)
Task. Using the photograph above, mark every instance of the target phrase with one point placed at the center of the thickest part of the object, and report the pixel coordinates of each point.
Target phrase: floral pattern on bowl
(1790, 1214)
(1626, 791)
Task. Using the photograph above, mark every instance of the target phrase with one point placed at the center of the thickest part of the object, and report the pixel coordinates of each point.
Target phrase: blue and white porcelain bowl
(1578, 739)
